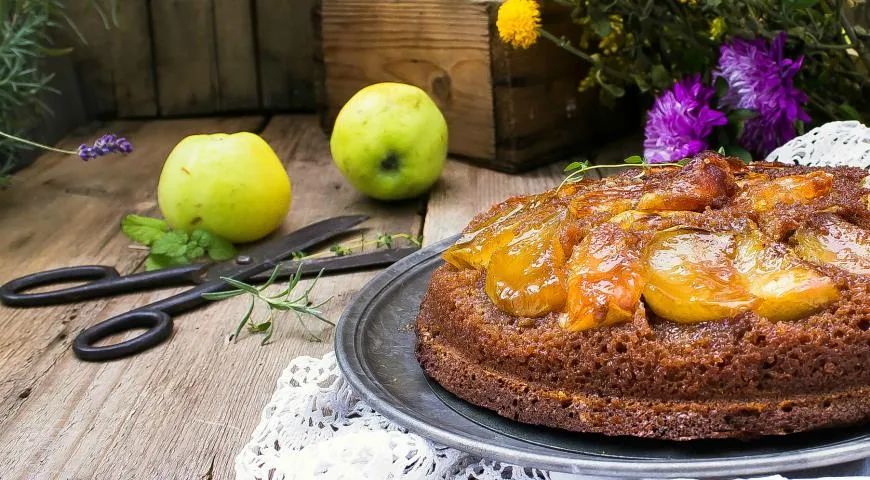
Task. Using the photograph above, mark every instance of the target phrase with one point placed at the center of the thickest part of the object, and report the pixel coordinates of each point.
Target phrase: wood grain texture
(540, 115)
(235, 55)
(133, 62)
(171, 411)
(94, 68)
(286, 53)
(439, 46)
(185, 57)
(56, 412)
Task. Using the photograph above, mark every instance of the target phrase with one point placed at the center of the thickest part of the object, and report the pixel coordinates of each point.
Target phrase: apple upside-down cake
(711, 300)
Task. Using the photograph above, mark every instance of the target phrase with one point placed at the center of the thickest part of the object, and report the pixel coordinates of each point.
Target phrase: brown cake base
(742, 378)
(673, 420)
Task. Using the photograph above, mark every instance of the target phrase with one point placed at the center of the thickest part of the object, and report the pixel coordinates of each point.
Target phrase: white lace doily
(315, 427)
(834, 143)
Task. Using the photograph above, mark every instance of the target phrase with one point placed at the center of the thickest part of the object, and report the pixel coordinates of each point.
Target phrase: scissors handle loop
(101, 281)
(158, 325)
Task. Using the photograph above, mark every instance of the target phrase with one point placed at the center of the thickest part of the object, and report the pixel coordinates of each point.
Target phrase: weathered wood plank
(94, 68)
(62, 211)
(236, 55)
(133, 62)
(184, 55)
(369, 41)
(168, 412)
(286, 54)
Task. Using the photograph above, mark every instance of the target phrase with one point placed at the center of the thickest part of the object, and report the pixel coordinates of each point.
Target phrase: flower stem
(34, 144)
(857, 44)
(566, 45)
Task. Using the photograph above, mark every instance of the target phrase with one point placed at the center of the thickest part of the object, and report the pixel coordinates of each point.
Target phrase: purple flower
(761, 79)
(680, 121)
(105, 145)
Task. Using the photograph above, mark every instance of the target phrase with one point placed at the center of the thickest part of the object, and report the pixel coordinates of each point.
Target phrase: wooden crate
(195, 57)
(506, 109)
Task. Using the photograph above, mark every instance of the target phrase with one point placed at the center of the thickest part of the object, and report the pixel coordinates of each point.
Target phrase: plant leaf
(739, 152)
(172, 244)
(220, 249)
(660, 77)
(634, 159)
(849, 112)
(741, 115)
(201, 238)
(144, 230)
(156, 261)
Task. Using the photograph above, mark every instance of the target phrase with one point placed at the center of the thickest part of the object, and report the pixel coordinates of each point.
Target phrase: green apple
(390, 141)
(231, 185)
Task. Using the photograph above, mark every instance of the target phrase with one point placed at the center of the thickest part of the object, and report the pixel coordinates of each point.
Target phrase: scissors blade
(268, 255)
(380, 258)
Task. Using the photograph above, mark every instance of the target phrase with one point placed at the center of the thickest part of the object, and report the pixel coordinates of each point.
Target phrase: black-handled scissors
(156, 317)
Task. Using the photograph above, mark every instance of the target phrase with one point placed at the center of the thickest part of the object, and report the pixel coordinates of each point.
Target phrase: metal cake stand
(374, 345)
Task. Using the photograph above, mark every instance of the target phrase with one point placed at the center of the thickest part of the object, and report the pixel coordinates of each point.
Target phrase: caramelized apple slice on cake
(526, 277)
(690, 277)
(829, 239)
(605, 279)
(706, 181)
(764, 195)
(497, 228)
(786, 289)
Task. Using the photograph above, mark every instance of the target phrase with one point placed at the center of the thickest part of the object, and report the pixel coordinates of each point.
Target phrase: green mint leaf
(171, 244)
(634, 159)
(144, 230)
(340, 250)
(298, 254)
(193, 251)
(159, 262)
(220, 249)
(201, 237)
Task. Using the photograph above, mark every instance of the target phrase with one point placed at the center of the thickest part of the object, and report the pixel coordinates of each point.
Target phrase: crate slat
(236, 55)
(286, 45)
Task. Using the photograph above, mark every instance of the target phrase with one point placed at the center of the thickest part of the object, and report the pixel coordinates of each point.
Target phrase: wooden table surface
(187, 406)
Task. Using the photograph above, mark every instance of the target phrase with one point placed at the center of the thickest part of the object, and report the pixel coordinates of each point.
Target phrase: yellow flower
(717, 28)
(613, 41)
(518, 22)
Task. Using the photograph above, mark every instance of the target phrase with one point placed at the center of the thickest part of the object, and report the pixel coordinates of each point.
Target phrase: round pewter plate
(375, 342)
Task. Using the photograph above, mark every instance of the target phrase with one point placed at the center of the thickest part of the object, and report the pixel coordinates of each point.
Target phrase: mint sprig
(169, 248)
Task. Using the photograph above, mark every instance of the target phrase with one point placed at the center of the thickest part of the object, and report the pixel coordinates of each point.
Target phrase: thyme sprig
(577, 170)
(383, 240)
(284, 301)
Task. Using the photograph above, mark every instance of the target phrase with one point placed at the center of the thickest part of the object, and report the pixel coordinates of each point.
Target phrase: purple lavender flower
(761, 79)
(680, 121)
(105, 145)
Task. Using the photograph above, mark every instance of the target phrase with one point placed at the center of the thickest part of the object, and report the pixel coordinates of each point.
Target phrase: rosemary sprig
(578, 169)
(283, 301)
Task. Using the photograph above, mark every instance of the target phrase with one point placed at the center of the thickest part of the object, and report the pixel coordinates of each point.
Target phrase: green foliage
(648, 45)
(169, 248)
(284, 301)
(26, 27)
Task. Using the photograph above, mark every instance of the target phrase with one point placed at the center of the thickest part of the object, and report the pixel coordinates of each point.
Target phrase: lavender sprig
(105, 145)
